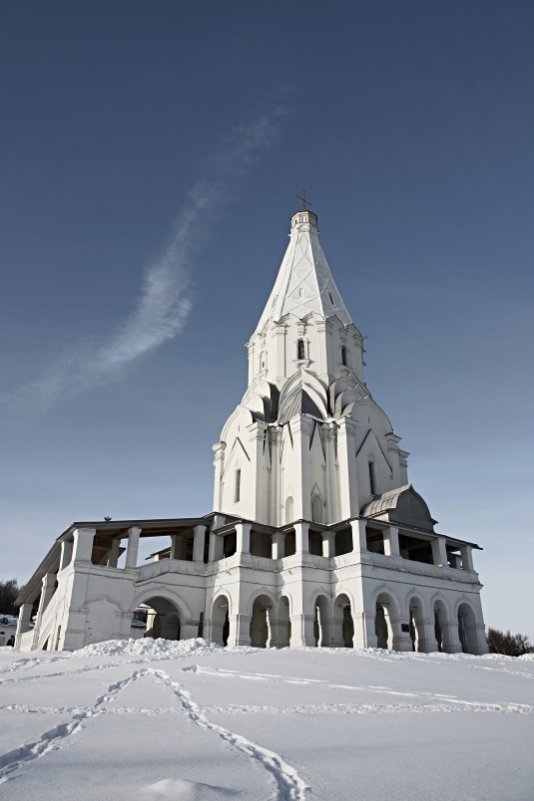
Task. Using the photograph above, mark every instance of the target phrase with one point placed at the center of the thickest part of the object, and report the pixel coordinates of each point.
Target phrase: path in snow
(157, 721)
(288, 786)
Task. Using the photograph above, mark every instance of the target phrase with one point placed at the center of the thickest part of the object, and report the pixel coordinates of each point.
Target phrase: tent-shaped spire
(304, 283)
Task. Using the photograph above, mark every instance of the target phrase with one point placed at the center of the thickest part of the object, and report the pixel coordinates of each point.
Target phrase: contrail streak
(164, 302)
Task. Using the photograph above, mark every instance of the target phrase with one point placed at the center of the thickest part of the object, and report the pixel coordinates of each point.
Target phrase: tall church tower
(315, 538)
(307, 440)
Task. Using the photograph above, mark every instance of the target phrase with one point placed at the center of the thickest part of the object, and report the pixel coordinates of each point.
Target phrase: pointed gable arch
(370, 446)
(240, 411)
(303, 393)
(236, 450)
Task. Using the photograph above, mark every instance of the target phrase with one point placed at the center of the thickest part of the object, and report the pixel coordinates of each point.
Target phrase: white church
(317, 538)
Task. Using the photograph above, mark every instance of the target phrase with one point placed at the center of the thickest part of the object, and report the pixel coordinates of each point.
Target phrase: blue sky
(151, 157)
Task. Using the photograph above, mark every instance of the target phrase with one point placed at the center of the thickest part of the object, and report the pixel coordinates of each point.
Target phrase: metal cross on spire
(304, 200)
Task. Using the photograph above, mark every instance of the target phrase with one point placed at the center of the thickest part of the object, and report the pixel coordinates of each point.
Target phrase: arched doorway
(467, 631)
(260, 622)
(162, 619)
(343, 622)
(220, 621)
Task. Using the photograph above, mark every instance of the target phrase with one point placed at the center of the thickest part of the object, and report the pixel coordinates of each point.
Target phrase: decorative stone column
(47, 591)
(364, 630)
(302, 630)
(216, 547)
(439, 552)
(239, 630)
(467, 557)
(66, 554)
(391, 541)
(114, 552)
(83, 544)
(426, 642)
(277, 550)
(450, 637)
(23, 623)
(302, 544)
(275, 630)
(359, 538)
(401, 640)
(198, 543)
(329, 544)
(242, 531)
(133, 547)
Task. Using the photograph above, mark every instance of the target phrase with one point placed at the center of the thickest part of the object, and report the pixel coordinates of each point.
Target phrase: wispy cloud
(164, 301)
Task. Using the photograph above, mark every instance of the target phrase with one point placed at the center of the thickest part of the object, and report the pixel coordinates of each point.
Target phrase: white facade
(317, 537)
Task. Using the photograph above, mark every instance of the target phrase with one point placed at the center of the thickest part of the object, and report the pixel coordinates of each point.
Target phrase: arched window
(290, 515)
(237, 493)
(317, 508)
(372, 478)
(300, 350)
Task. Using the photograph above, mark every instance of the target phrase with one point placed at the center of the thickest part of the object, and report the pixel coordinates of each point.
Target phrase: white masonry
(317, 537)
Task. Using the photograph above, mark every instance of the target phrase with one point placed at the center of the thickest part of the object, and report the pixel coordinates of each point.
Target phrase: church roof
(403, 505)
(304, 283)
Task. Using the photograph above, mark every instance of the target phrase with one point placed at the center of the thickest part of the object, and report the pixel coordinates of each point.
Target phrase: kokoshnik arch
(317, 537)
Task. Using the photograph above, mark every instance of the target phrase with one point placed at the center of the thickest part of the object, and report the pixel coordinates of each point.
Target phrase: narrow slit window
(300, 350)
(372, 480)
(343, 355)
(237, 493)
(331, 298)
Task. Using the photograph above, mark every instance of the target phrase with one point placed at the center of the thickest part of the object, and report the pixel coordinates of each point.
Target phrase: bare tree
(501, 642)
(8, 592)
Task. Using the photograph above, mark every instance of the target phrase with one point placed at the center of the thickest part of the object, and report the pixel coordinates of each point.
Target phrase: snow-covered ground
(153, 720)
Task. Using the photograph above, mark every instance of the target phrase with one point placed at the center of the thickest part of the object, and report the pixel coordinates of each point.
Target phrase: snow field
(189, 721)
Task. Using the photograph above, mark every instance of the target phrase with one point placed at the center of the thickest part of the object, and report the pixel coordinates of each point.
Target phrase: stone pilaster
(348, 481)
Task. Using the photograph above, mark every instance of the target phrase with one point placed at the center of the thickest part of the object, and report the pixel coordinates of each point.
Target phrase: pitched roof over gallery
(401, 505)
(304, 283)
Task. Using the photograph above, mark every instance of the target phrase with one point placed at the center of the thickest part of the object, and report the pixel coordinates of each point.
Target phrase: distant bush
(8, 592)
(504, 642)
